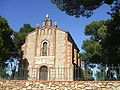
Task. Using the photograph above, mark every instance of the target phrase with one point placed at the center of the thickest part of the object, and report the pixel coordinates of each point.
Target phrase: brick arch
(45, 40)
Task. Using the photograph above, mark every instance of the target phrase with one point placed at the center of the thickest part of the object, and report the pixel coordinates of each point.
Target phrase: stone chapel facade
(51, 53)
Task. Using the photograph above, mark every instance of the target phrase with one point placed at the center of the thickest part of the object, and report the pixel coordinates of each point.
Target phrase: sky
(32, 12)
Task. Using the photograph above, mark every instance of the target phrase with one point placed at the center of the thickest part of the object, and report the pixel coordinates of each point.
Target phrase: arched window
(44, 51)
(46, 22)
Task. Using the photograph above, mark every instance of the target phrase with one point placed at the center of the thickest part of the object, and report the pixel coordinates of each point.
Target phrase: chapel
(51, 53)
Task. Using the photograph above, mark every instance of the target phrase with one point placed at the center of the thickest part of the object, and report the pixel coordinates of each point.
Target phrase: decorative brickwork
(59, 85)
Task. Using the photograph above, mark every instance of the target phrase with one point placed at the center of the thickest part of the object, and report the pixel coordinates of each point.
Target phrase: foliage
(87, 74)
(111, 43)
(7, 46)
(106, 35)
(20, 36)
(101, 75)
(104, 43)
(2, 73)
(6, 42)
(79, 8)
(96, 30)
(92, 47)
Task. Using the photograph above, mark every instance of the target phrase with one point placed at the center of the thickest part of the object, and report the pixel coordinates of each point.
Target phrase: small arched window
(46, 22)
(44, 51)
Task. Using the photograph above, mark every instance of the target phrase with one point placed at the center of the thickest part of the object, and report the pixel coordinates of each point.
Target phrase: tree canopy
(79, 8)
(96, 30)
(104, 43)
(111, 43)
(19, 39)
(6, 43)
(11, 41)
(92, 47)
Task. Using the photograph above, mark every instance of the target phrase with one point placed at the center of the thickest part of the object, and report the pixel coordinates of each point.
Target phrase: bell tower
(47, 21)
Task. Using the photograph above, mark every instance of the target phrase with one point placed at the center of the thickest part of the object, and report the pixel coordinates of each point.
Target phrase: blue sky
(18, 12)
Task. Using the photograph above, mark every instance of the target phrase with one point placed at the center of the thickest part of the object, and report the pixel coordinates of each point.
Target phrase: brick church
(51, 53)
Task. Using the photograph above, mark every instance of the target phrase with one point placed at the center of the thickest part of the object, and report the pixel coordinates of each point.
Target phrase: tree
(92, 46)
(96, 30)
(111, 43)
(106, 35)
(79, 8)
(6, 43)
(20, 36)
(91, 54)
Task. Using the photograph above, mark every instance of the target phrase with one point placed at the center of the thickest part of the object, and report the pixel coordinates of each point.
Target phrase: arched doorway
(43, 73)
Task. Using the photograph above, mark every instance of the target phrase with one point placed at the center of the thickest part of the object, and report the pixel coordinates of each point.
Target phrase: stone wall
(59, 85)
